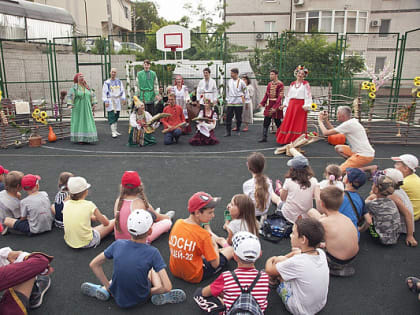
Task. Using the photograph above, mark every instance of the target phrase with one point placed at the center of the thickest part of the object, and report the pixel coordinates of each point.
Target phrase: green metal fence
(38, 68)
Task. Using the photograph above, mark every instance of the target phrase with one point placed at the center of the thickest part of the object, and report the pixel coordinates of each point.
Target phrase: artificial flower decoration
(417, 83)
(43, 121)
(1, 95)
(418, 94)
(372, 95)
(44, 114)
(37, 111)
(365, 85)
(34, 116)
(314, 106)
(373, 89)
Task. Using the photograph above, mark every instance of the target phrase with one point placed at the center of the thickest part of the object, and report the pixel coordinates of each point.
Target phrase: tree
(146, 14)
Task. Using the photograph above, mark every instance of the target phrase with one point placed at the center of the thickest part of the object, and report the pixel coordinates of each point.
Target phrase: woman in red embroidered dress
(297, 101)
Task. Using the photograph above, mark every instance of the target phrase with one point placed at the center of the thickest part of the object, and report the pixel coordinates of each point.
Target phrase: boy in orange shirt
(194, 254)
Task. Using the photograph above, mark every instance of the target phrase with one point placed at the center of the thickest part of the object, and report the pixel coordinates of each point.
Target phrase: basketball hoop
(173, 38)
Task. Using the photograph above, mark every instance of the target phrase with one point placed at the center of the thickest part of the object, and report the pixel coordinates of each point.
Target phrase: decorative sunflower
(43, 121)
(37, 111)
(416, 79)
(418, 94)
(34, 116)
(372, 95)
(44, 114)
(417, 83)
(373, 89)
(38, 119)
(365, 85)
(314, 106)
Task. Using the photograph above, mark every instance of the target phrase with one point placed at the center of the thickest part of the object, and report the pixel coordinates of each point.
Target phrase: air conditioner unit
(259, 36)
(298, 2)
(375, 23)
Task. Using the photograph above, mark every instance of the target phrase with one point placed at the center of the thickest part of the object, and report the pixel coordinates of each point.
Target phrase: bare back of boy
(340, 236)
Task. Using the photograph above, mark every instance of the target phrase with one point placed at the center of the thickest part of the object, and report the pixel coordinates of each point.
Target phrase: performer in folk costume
(113, 95)
(174, 123)
(207, 88)
(235, 101)
(297, 101)
(205, 127)
(141, 133)
(248, 112)
(82, 100)
(148, 87)
(182, 98)
(274, 109)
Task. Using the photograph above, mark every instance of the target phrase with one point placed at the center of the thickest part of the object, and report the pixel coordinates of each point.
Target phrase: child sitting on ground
(10, 198)
(131, 197)
(259, 187)
(60, 198)
(296, 196)
(383, 213)
(405, 207)
(36, 216)
(139, 270)
(3, 173)
(353, 205)
(247, 249)
(194, 253)
(140, 133)
(341, 239)
(77, 216)
(242, 211)
(303, 273)
(332, 176)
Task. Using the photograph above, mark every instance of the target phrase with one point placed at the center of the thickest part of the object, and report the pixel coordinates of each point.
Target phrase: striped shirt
(226, 285)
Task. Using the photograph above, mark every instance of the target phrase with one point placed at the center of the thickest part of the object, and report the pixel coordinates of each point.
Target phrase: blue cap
(356, 177)
(298, 162)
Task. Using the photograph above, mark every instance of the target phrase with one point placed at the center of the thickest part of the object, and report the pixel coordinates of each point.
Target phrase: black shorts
(339, 261)
(22, 226)
(209, 271)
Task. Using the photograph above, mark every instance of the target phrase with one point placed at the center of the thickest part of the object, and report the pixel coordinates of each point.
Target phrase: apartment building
(91, 16)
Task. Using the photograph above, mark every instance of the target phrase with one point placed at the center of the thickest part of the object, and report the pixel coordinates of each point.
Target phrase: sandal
(414, 287)
(278, 189)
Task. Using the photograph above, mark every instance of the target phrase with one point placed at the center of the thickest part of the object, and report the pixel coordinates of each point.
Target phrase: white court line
(158, 152)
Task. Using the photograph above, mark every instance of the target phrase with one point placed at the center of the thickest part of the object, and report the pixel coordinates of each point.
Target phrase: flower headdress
(179, 77)
(298, 68)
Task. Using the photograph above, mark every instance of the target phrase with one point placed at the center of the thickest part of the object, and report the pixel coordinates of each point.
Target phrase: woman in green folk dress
(82, 100)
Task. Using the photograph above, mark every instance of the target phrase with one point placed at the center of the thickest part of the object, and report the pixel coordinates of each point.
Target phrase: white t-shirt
(299, 200)
(238, 225)
(305, 286)
(357, 137)
(9, 206)
(404, 198)
(325, 183)
(249, 189)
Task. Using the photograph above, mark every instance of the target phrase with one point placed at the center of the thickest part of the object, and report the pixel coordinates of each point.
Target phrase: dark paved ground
(171, 175)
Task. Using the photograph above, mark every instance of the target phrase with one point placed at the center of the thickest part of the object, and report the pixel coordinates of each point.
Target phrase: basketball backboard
(173, 37)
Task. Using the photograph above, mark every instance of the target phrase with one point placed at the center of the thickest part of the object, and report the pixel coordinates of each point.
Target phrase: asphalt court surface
(171, 174)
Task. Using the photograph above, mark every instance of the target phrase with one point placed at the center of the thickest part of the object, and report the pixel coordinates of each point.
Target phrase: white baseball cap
(139, 222)
(394, 174)
(246, 246)
(408, 159)
(77, 184)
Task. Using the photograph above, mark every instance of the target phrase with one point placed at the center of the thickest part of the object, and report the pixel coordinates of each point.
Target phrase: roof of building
(35, 11)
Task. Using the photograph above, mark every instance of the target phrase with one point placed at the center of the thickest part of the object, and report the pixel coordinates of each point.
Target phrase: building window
(269, 26)
(379, 64)
(331, 21)
(384, 28)
(127, 14)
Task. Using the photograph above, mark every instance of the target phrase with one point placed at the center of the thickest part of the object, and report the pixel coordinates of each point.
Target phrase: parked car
(90, 43)
(132, 46)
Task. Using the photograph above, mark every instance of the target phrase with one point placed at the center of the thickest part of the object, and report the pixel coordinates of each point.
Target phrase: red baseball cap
(3, 170)
(29, 181)
(130, 179)
(202, 200)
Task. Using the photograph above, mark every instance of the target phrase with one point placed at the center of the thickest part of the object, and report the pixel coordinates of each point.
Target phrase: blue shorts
(22, 226)
(209, 271)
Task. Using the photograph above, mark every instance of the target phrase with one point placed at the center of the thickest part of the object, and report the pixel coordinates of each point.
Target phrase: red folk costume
(298, 101)
(274, 96)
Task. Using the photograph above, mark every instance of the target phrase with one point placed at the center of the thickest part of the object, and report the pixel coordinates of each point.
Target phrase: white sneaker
(113, 131)
(116, 129)
(170, 214)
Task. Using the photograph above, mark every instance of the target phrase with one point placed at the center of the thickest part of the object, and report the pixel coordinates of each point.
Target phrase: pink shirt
(124, 213)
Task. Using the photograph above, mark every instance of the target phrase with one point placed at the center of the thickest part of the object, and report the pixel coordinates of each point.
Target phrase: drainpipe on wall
(291, 15)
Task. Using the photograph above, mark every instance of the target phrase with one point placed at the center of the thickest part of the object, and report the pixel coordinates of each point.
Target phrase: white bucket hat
(77, 184)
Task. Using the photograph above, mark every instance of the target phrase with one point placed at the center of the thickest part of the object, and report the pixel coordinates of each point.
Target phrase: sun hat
(201, 200)
(246, 246)
(77, 184)
(139, 222)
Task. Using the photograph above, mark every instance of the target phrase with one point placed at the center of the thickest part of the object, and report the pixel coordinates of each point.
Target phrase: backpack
(275, 227)
(245, 304)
